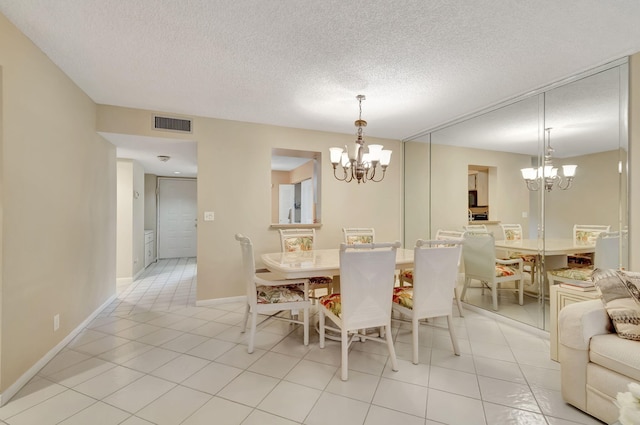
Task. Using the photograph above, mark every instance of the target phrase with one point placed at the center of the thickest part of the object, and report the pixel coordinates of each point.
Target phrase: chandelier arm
(344, 177)
(565, 183)
(384, 171)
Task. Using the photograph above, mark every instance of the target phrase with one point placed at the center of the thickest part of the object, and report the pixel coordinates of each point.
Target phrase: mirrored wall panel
(469, 174)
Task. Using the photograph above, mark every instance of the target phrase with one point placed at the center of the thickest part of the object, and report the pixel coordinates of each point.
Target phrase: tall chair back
(367, 274)
(248, 268)
(607, 253)
(586, 234)
(435, 275)
(292, 240)
(479, 255)
(511, 232)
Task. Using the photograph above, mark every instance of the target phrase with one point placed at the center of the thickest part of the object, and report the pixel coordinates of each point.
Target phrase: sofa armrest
(578, 322)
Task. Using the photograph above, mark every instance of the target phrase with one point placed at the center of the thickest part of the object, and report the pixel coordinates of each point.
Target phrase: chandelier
(547, 175)
(356, 164)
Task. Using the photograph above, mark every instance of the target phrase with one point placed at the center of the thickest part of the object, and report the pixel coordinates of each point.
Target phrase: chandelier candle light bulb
(356, 163)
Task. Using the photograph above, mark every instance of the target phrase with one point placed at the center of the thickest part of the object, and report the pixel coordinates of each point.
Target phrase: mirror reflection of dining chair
(267, 293)
(435, 275)
(513, 232)
(606, 256)
(296, 240)
(366, 291)
(475, 228)
(480, 263)
(585, 234)
(406, 275)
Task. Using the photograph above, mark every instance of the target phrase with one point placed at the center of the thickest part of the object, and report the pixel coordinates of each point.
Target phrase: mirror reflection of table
(555, 253)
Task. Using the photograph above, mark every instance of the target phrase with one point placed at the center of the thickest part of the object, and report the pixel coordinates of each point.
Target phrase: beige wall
(241, 196)
(58, 206)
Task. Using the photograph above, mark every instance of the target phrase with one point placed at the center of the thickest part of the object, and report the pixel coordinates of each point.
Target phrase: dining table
(319, 262)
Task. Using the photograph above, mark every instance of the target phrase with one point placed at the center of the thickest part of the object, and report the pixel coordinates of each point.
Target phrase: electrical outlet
(208, 216)
(56, 322)
(525, 214)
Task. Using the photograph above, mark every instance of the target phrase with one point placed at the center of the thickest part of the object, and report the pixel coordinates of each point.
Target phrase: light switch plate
(208, 216)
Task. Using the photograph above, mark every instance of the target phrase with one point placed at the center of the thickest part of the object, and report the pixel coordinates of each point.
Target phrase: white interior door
(306, 202)
(177, 215)
(286, 199)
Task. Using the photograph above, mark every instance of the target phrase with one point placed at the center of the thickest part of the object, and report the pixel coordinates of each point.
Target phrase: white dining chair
(435, 275)
(295, 240)
(269, 293)
(513, 232)
(406, 275)
(366, 291)
(480, 263)
(475, 228)
(585, 234)
(606, 256)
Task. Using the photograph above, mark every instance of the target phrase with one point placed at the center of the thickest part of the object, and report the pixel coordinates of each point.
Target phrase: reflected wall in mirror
(589, 129)
(295, 187)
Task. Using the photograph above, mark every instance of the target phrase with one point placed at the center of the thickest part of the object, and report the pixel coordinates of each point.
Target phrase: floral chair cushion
(359, 239)
(303, 243)
(586, 237)
(502, 270)
(407, 275)
(333, 303)
(320, 280)
(512, 235)
(574, 273)
(527, 258)
(279, 294)
(403, 296)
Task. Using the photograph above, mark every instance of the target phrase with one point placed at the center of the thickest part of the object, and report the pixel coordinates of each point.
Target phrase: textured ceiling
(300, 63)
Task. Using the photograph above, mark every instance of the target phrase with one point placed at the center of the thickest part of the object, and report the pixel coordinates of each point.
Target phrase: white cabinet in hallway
(149, 247)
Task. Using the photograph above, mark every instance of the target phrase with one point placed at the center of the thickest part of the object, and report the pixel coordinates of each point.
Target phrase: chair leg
(521, 292)
(305, 315)
(457, 297)
(494, 295)
(452, 333)
(392, 351)
(414, 338)
(344, 345)
(245, 319)
(467, 281)
(321, 326)
(252, 332)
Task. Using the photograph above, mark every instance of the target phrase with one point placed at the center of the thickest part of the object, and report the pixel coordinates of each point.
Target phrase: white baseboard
(7, 394)
(217, 301)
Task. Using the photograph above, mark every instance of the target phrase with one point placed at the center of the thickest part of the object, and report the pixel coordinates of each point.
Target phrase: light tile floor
(153, 357)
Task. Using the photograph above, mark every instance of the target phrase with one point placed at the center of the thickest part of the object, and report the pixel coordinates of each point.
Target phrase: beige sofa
(595, 363)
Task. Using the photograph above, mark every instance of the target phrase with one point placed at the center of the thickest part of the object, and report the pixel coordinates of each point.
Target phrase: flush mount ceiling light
(164, 158)
(356, 164)
(548, 176)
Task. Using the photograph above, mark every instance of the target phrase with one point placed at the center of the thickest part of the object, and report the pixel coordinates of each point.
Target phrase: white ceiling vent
(171, 124)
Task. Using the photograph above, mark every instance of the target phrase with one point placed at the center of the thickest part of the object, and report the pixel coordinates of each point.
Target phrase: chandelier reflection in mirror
(356, 164)
(548, 176)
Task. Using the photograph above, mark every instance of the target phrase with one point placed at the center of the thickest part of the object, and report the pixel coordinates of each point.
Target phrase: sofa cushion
(622, 307)
(616, 354)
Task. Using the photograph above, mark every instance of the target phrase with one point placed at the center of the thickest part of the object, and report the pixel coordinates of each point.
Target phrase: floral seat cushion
(527, 258)
(333, 303)
(403, 296)
(320, 280)
(574, 273)
(407, 274)
(502, 270)
(279, 294)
